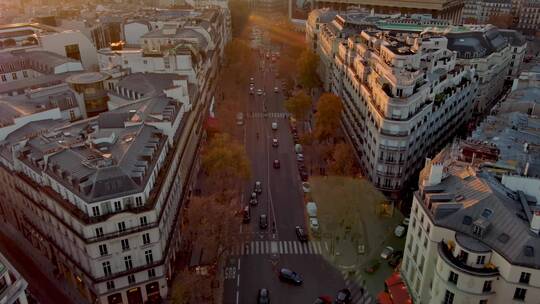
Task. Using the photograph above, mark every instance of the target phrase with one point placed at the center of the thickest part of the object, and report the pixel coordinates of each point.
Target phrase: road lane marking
(238, 265)
(237, 297)
(238, 281)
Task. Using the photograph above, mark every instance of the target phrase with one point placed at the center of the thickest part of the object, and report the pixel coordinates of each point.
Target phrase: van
(298, 148)
(239, 118)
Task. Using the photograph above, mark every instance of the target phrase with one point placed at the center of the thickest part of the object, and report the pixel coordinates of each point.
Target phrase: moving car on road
(274, 126)
(343, 296)
(246, 214)
(323, 300)
(258, 187)
(276, 165)
(387, 252)
(264, 296)
(253, 199)
(301, 234)
(289, 276)
(275, 142)
(263, 221)
(276, 90)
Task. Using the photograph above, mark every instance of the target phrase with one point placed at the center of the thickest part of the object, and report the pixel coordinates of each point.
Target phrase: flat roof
(87, 78)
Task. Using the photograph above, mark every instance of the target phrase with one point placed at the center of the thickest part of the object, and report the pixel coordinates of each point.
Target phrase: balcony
(392, 148)
(116, 234)
(394, 133)
(446, 254)
(392, 161)
(389, 174)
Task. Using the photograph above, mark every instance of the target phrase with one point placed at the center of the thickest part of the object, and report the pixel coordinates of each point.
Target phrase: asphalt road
(256, 265)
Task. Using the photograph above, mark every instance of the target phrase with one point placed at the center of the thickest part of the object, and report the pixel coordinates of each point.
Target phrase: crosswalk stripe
(318, 245)
(267, 247)
(252, 247)
(295, 247)
(284, 247)
(311, 248)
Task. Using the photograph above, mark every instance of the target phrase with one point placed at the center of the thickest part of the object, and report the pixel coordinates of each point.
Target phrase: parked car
(258, 187)
(259, 92)
(395, 259)
(298, 148)
(387, 252)
(264, 296)
(251, 91)
(306, 187)
(301, 234)
(371, 268)
(343, 296)
(246, 214)
(253, 199)
(239, 118)
(263, 221)
(290, 276)
(276, 90)
(274, 126)
(314, 224)
(399, 231)
(300, 157)
(277, 165)
(275, 142)
(304, 176)
(406, 222)
(251, 81)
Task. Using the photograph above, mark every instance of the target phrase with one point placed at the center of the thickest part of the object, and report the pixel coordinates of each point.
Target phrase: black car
(323, 300)
(277, 164)
(264, 296)
(301, 234)
(395, 259)
(304, 176)
(263, 221)
(289, 276)
(343, 296)
(246, 214)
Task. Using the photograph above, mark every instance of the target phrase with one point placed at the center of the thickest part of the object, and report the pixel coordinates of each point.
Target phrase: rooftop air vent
(528, 251)
(467, 220)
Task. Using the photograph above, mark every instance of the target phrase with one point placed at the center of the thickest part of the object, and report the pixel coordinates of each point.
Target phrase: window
(106, 268)
(138, 201)
(131, 279)
(145, 62)
(148, 256)
(463, 256)
(14, 76)
(103, 249)
(481, 259)
(453, 277)
(146, 238)
(4, 79)
(519, 294)
(525, 278)
(99, 231)
(448, 297)
(487, 286)
(151, 273)
(95, 211)
(125, 62)
(122, 226)
(125, 244)
(117, 206)
(143, 221)
(25, 74)
(128, 262)
(110, 285)
(72, 51)
(483, 302)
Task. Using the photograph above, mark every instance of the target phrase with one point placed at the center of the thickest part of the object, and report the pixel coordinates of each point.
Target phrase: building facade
(472, 238)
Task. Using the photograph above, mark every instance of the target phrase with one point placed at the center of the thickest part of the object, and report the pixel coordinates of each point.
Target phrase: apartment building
(37, 37)
(12, 285)
(472, 238)
(528, 17)
(101, 197)
(481, 12)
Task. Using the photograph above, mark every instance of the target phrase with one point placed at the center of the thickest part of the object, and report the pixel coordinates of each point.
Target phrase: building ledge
(446, 255)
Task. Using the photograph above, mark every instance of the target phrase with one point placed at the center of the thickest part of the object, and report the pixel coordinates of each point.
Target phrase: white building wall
(57, 42)
(133, 32)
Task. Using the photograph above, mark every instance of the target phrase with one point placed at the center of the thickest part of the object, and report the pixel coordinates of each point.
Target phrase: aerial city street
(269, 151)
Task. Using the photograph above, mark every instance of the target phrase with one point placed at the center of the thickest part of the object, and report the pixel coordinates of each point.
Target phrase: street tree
(240, 12)
(502, 21)
(327, 118)
(225, 162)
(188, 287)
(343, 162)
(298, 105)
(239, 57)
(307, 69)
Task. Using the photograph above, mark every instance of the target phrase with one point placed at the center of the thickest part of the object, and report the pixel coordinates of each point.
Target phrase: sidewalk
(29, 261)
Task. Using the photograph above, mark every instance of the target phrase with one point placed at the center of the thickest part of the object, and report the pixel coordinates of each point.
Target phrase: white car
(306, 187)
(274, 125)
(276, 90)
(387, 252)
(300, 157)
(259, 92)
(406, 222)
(400, 231)
(314, 224)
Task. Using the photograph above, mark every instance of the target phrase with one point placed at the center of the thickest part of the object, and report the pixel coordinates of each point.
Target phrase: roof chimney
(535, 222)
(435, 174)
